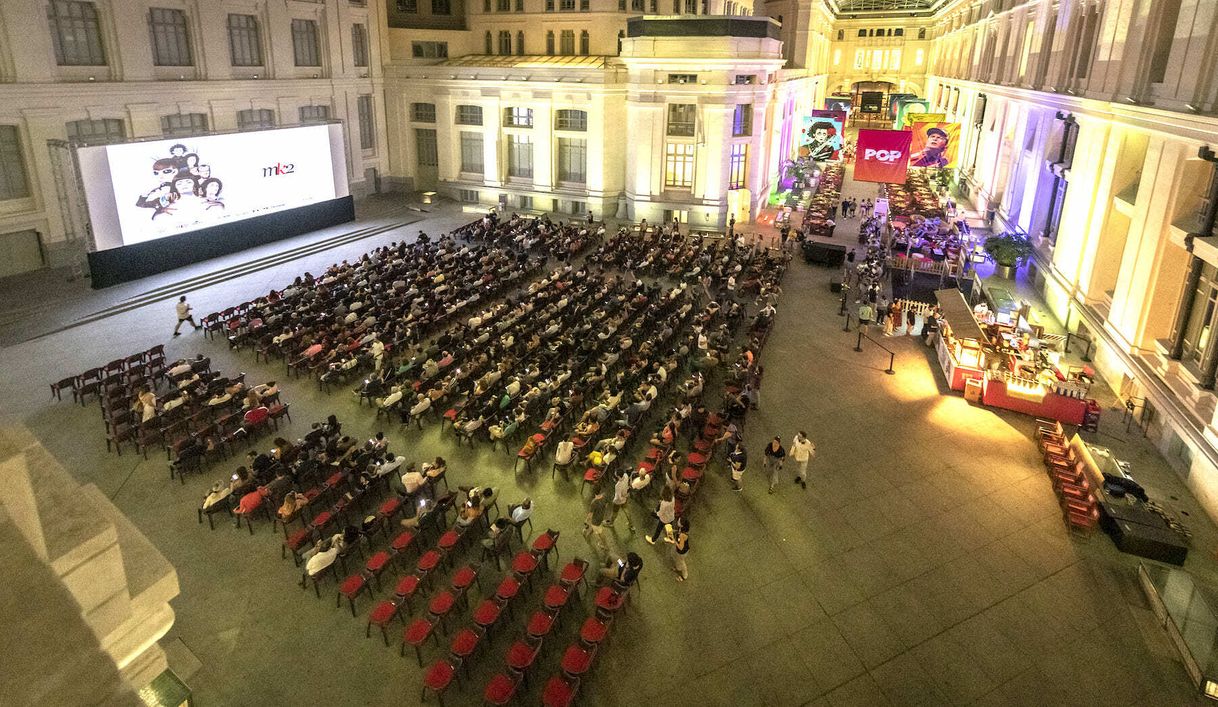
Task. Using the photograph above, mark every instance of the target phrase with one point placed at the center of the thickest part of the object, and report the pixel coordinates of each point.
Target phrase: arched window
(584, 43)
(520, 43)
(490, 43)
(505, 43)
(550, 43)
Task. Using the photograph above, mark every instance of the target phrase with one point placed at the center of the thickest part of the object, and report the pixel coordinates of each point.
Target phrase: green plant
(1008, 249)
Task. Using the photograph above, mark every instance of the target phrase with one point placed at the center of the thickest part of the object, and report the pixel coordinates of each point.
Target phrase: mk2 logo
(883, 155)
(278, 169)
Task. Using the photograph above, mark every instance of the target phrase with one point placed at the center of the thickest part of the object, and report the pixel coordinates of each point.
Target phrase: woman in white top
(621, 494)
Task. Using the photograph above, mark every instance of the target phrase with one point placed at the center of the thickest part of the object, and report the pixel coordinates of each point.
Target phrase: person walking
(184, 315)
(666, 514)
(775, 455)
(680, 548)
(594, 524)
(802, 451)
(865, 315)
(737, 460)
(621, 494)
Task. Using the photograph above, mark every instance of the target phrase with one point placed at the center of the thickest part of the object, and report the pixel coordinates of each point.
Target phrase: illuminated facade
(595, 105)
(1082, 124)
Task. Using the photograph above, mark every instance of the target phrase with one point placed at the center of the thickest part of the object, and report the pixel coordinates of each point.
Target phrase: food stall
(1005, 366)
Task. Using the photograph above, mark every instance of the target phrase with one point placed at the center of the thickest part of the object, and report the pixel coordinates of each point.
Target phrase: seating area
(128, 374)
(605, 366)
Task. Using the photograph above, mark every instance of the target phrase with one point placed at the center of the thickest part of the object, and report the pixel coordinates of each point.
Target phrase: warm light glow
(837, 56)
(1025, 389)
(919, 55)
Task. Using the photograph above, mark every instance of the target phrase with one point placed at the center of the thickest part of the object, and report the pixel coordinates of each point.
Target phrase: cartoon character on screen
(935, 152)
(158, 199)
(824, 142)
(210, 190)
(177, 153)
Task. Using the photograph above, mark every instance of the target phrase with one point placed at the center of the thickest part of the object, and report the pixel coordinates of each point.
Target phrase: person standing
(865, 315)
(775, 455)
(737, 460)
(802, 451)
(666, 513)
(680, 547)
(184, 315)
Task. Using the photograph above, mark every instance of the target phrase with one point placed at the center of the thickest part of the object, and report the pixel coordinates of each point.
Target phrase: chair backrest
(257, 415)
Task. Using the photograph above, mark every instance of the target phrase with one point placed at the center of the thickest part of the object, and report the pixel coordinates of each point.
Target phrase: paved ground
(926, 564)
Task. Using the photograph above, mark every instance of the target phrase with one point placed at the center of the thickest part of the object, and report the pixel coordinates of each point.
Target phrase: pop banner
(934, 145)
(882, 156)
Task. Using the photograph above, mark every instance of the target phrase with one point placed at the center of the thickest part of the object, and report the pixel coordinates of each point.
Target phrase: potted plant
(1009, 251)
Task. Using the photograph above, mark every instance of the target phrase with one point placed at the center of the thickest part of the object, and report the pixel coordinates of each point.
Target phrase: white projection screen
(142, 191)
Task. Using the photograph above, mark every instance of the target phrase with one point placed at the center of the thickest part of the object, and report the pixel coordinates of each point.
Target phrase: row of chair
(1068, 474)
(121, 373)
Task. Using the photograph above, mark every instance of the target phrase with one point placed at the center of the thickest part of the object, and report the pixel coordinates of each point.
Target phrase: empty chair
(416, 634)
(438, 677)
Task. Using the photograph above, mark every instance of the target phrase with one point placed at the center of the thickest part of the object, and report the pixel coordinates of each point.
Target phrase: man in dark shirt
(594, 523)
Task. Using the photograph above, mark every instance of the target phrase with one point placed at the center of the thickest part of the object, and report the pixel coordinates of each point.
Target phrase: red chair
(521, 656)
(351, 588)
(608, 601)
(427, 563)
(380, 617)
(405, 590)
(577, 659)
(464, 578)
(296, 543)
(376, 565)
(441, 606)
(696, 459)
(507, 590)
(448, 542)
(487, 613)
(464, 644)
(594, 630)
(255, 419)
(321, 521)
(524, 564)
(402, 542)
(560, 691)
(539, 625)
(500, 690)
(388, 511)
(438, 677)
(416, 634)
(556, 598)
(546, 543)
(574, 573)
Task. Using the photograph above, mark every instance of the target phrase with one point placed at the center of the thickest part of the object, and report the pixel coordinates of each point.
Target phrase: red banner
(882, 156)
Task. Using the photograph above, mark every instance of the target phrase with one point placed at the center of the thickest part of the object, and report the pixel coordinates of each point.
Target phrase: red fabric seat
(508, 589)
(442, 603)
(500, 690)
(573, 572)
(464, 577)
(334, 479)
(448, 540)
(464, 643)
(390, 507)
(403, 541)
(544, 543)
(429, 560)
(407, 586)
(690, 474)
(487, 613)
(696, 459)
(540, 624)
(524, 563)
(322, 519)
(594, 630)
(383, 613)
(352, 585)
(578, 659)
(521, 655)
(556, 597)
(439, 676)
(377, 562)
(609, 600)
(559, 692)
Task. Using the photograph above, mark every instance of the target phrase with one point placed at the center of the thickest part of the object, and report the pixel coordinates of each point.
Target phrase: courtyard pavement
(927, 563)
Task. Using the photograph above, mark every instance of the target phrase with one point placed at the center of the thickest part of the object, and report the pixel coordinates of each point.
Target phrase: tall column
(1185, 311)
